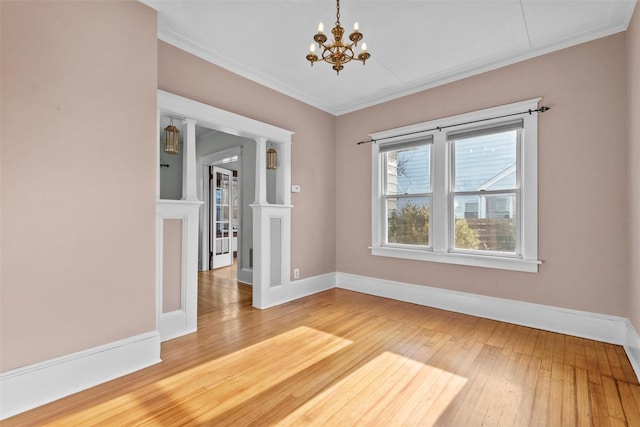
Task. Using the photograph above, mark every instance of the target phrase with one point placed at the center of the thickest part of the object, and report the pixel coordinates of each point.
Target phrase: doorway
(238, 161)
(221, 231)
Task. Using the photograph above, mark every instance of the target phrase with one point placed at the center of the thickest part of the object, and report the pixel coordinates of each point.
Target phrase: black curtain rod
(439, 128)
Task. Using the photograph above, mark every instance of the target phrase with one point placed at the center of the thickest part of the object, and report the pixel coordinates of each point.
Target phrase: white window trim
(440, 157)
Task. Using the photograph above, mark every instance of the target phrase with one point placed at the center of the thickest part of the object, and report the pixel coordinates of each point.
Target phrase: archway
(271, 221)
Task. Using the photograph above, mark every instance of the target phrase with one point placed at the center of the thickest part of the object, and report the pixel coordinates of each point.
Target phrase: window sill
(502, 263)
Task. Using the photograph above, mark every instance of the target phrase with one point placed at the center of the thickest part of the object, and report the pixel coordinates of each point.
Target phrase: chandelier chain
(338, 13)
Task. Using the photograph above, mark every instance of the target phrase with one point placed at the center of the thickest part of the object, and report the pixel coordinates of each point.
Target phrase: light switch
(295, 188)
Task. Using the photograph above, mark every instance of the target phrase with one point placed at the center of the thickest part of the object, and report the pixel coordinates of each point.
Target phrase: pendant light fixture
(272, 158)
(171, 139)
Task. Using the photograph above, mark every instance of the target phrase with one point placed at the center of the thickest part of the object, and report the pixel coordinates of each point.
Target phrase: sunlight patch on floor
(213, 388)
(388, 390)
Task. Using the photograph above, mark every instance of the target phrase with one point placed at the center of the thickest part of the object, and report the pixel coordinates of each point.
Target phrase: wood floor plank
(612, 397)
(556, 402)
(629, 405)
(579, 354)
(625, 364)
(593, 366)
(569, 347)
(614, 362)
(583, 402)
(490, 365)
(340, 358)
(540, 415)
(529, 380)
(598, 405)
(603, 361)
(569, 396)
(509, 391)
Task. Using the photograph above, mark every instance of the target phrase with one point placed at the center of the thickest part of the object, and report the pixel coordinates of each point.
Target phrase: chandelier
(338, 52)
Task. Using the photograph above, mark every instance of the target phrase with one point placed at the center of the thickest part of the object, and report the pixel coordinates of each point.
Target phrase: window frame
(441, 237)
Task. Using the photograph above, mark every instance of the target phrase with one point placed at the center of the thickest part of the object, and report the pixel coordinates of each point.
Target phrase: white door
(221, 230)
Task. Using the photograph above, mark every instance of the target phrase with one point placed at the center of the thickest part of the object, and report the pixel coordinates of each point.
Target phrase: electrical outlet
(296, 273)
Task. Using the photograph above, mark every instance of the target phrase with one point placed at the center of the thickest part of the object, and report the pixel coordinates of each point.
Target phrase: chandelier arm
(345, 48)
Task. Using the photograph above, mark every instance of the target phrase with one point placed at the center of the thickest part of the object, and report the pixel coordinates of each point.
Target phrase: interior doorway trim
(264, 284)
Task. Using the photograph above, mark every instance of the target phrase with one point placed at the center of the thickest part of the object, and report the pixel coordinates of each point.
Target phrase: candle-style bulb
(320, 27)
(355, 26)
(364, 47)
(312, 48)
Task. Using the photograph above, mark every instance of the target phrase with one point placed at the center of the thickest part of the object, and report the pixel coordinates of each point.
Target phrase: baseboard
(245, 275)
(312, 285)
(610, 329)
(25, 388)
(632, 347)
(173, 325)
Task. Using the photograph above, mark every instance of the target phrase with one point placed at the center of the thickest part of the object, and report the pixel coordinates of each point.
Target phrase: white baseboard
(25, 388)
(610, 329)
(632, 347)
(173, 325)
(312, 285)
(301, 288)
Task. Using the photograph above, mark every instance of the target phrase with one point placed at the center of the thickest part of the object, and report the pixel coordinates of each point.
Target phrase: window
(459, 193)
(485, 172)
(407, 192)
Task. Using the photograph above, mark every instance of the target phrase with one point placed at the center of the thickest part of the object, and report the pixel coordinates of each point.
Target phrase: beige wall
(312, 153)
(78, 242)
(633, 75)
(78, 169)
(582, 179)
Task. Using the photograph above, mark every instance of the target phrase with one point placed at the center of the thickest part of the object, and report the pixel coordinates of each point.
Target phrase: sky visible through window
(486, 162)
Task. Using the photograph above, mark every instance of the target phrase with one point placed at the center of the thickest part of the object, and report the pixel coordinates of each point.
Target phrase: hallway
(219, 292)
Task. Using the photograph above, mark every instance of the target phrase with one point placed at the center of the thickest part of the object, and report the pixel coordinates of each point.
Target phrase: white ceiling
(414, 45)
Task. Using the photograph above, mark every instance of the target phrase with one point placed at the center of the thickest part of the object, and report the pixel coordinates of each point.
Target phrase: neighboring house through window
(459, 193)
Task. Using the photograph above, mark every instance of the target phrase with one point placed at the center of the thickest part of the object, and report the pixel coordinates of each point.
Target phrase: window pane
(486, 162)
(408, 170)
(486, 223)
(408, 220)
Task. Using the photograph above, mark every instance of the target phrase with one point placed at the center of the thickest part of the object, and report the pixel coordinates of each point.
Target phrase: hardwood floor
(343, 358)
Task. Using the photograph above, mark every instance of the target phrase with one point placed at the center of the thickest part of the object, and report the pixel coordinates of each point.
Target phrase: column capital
(188, 121)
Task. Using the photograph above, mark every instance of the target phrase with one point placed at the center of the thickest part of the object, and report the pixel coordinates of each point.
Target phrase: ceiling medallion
(338, 52)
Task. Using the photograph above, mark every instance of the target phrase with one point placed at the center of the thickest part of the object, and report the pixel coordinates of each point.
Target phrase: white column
(189, 181)
(261, 171)
(283, 183)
